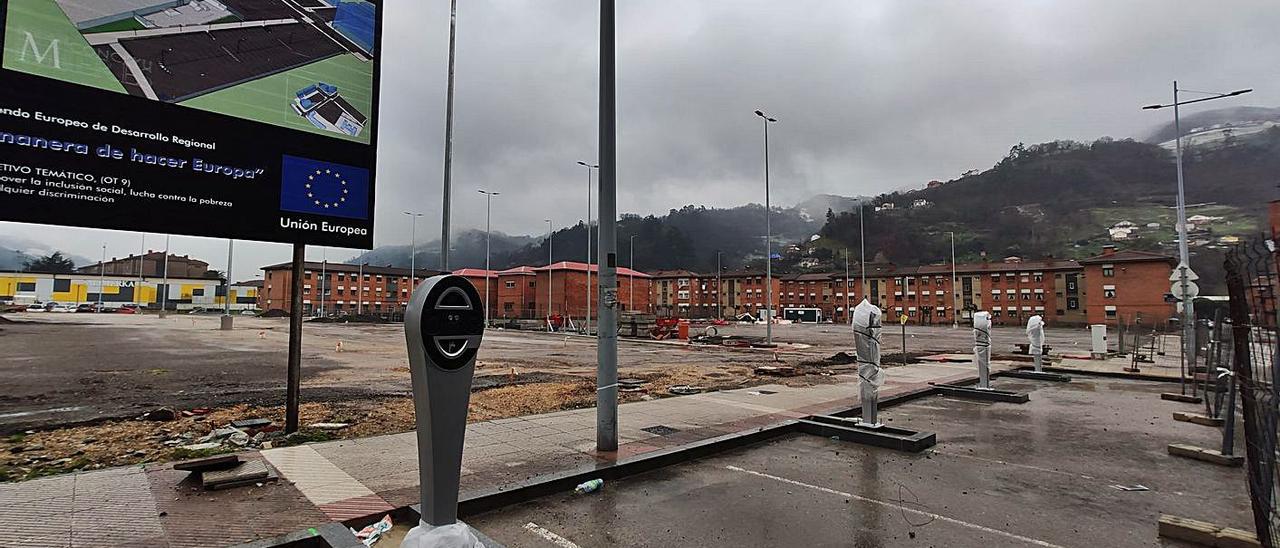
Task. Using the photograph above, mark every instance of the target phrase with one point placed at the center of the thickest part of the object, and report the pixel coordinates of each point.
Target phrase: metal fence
(1251, 283)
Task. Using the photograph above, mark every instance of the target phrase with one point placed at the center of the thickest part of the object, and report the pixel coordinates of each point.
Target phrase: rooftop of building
(583, 267)
(344, 267)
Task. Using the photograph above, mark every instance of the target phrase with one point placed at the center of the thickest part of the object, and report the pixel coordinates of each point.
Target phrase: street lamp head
(1239, 92)
(760, 114)
(1153, 107)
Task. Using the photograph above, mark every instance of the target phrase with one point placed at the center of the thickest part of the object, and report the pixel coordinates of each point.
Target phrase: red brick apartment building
(523, 292)
(338, 289)
(1064, 292)
(1128, 286)
(477, 277)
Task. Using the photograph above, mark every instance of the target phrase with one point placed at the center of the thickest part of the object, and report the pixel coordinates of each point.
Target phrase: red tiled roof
(1128, 256)
(527, 270)
(582, 267)
(474, 272)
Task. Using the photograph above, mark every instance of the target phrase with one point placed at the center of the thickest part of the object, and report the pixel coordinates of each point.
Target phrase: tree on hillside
(50, 264)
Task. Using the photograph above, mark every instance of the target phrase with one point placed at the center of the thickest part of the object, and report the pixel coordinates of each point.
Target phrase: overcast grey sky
(872, 96)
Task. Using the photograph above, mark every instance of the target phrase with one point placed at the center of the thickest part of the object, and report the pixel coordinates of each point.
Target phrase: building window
(1039, 278)
(1108, 271)
(511, 284)
(1111, 313)
(197, 292)
(995, 296)
(1109, 293)
(1040, 297)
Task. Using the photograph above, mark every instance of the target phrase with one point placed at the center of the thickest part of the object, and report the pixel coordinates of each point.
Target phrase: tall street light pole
(587, 321)
(848, 313)
(550, 233)
(955, 320)
(164, 294)
(448, 146)
(413, 251)
(102, 278)
(360, 289)
(768, 235)
(227, 319)
(142, 256)
(488, 212)
(862, 257)
(607, 341)
(631, 299)
(1184, 265)
(719, 287)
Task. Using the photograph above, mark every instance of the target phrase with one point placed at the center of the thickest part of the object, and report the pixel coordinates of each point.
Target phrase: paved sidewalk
(154, 505)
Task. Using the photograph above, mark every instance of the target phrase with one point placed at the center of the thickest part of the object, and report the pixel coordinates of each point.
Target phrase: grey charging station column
(443, 327)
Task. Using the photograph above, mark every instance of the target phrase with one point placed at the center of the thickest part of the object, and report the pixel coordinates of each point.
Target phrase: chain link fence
(1252, 282)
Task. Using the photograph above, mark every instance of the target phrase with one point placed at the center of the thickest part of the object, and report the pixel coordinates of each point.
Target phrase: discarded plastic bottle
(589, 486)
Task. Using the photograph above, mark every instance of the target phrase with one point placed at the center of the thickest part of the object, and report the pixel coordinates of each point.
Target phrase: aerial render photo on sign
(116, 107)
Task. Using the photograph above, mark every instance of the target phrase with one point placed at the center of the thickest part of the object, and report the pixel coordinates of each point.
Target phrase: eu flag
(324, 188)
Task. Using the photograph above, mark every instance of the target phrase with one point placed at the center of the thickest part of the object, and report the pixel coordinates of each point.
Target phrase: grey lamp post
(550, 233)
(488, 215)
(1184, 264)
(768, 235)
(413, 250)
(448, 147)
(955, 321)
(631, 247)
(102, 279)
(587, 321)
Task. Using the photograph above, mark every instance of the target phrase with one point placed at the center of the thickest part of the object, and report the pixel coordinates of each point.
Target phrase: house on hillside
(920, 202)
(885, 206)
(1201, 220)
(1120, 233)
(934, 184)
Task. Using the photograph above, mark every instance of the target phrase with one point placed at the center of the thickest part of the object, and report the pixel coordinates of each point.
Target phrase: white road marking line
(549, 536)
(983, 528)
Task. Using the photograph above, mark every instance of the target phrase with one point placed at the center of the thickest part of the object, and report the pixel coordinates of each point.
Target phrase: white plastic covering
(866, 335)
(1035, 334)
(457, 535)
(982, 346)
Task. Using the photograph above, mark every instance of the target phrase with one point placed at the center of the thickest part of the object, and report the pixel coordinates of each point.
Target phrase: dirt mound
(274, 313)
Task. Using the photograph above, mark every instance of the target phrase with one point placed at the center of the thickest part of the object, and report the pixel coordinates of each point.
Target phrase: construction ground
(1084, 463)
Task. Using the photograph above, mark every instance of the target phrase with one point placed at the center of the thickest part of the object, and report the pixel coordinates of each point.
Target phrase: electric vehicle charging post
(443, 326)
(1035, 347)
(868, 429)
(982, 357)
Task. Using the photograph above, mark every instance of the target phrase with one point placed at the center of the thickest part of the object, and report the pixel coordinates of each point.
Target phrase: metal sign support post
(294, 386)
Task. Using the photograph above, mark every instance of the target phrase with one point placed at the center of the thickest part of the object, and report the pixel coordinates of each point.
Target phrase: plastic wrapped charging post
(1035, 338)
(458, 535)
(982, 347)
(866, 335)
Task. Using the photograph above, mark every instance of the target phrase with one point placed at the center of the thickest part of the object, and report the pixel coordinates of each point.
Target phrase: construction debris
(684, 390)
(163, 414)
(245, 473)
(251, 423)
(372, 532)
(219, 462)
(776, 370)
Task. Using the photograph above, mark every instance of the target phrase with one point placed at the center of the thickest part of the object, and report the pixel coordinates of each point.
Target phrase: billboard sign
(246, 119)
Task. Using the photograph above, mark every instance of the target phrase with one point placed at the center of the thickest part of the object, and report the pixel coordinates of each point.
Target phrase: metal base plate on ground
(1036, 375)
(987, 394)
(1169, 396)
(854, 430)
